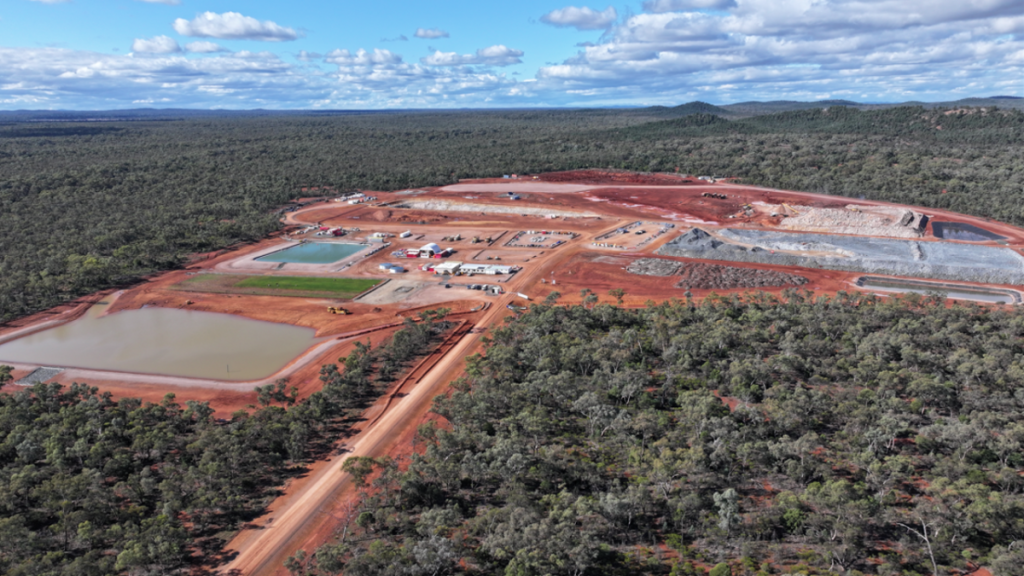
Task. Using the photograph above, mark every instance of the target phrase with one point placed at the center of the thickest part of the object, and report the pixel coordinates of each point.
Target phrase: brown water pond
(165, 341)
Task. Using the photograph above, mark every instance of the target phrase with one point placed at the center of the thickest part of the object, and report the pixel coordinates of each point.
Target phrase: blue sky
(99, 54)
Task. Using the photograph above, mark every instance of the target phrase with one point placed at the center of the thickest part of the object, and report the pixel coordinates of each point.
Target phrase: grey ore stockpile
(942, 260)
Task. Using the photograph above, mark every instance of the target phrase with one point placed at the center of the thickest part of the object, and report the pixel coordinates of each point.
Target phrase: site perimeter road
(297, 516)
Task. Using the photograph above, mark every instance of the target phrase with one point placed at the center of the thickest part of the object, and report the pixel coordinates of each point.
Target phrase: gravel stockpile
(702, 276)
(654, 267)
(857, 254)
(39, 375)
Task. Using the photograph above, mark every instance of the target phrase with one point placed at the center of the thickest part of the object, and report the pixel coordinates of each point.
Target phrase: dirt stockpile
(856, 220)
(879, 256)
(512, 208)
(702, 276)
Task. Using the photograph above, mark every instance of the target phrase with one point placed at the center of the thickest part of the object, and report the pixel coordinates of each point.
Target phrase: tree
(618, 294)
(728, 509)
(360, 467)
(720, 569)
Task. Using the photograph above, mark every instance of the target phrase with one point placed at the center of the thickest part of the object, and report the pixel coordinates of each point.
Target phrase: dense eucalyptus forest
(90, 205)
(745, 435)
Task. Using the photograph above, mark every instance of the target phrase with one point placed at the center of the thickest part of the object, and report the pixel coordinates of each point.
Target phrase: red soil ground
(601, 272)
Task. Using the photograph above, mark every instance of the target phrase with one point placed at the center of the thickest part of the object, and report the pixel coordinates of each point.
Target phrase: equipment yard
(354, 273)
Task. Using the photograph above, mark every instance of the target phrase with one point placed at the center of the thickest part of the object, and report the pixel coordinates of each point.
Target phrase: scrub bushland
(745, 435)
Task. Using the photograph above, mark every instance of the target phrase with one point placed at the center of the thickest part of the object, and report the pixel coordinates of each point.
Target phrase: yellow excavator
(338, 310)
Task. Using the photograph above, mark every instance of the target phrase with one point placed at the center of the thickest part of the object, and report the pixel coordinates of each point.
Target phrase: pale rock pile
(890, 222)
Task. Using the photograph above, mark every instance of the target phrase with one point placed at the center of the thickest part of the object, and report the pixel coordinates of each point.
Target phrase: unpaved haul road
(297, 516)
(263, 551)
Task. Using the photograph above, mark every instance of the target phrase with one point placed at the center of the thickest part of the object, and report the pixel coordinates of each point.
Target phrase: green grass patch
(334, 285)
(291, 286)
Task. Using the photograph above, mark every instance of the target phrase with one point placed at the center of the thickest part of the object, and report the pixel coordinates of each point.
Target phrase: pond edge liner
(1013, 294)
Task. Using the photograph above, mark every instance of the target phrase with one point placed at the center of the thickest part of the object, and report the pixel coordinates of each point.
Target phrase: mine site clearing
(342, 273)
(488, 243)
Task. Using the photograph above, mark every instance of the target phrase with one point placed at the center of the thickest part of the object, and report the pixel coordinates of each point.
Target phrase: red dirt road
(297, 516)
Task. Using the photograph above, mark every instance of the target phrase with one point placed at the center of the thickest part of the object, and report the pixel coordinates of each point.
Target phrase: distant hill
(1000, 127)
(698, 107)
(748, 109)
(745, 109)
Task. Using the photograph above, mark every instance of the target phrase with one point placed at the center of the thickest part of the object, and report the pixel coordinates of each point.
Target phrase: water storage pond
(313, 253)
(957, 291)
(963, 231)
(165, 341)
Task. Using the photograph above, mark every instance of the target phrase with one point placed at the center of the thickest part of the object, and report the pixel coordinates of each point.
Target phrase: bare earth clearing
(591, 204)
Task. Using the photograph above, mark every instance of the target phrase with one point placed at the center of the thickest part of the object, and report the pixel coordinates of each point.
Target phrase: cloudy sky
(108, 54)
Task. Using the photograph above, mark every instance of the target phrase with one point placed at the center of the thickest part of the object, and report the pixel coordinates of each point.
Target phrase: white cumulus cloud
(581, 18)
(304, 56)
(882, 50)
(362, 57)
(204, 47)
(431, 33)
(77, 79)
(233, 26)
(156, 45)
(497, 55)
(662, 6)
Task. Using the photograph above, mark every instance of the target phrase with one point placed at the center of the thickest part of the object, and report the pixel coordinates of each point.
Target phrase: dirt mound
(610, 177)
(717, 277)
(381, 215)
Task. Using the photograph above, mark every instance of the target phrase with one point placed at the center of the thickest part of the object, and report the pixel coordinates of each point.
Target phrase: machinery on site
(338, 310)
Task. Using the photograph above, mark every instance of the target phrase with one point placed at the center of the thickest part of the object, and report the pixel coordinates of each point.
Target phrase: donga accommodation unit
(490, 269)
